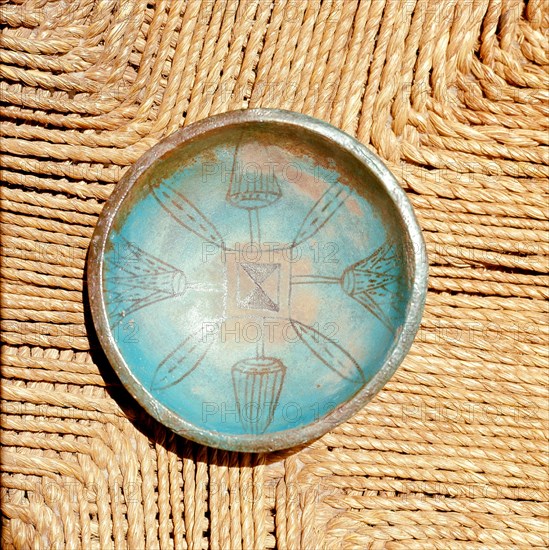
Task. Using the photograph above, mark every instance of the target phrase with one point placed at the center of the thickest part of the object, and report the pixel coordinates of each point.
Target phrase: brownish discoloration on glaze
(358, 168)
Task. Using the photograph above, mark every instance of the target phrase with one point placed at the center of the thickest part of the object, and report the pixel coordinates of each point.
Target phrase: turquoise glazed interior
(255, 278)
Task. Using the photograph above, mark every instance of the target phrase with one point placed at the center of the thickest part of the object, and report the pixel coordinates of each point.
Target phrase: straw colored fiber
(453, 95)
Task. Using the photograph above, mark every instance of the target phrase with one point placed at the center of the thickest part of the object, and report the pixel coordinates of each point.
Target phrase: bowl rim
(293, 436)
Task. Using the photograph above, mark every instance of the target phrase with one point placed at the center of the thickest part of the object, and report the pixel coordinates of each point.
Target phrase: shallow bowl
(256, 278)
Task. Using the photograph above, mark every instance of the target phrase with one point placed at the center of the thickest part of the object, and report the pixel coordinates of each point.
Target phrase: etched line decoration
(329, 352)
(257, 383)
(183, 360)
(367, 281)
(252, 192)
(141, 280)
(259, 286)
(185, 213)
(321, 212)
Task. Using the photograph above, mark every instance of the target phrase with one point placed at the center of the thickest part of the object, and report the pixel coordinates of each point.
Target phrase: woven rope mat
(453, 452)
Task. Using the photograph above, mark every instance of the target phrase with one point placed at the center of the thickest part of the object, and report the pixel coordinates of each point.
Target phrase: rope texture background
(453, 95)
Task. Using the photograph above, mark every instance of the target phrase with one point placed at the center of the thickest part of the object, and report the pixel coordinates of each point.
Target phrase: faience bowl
(256, 278)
